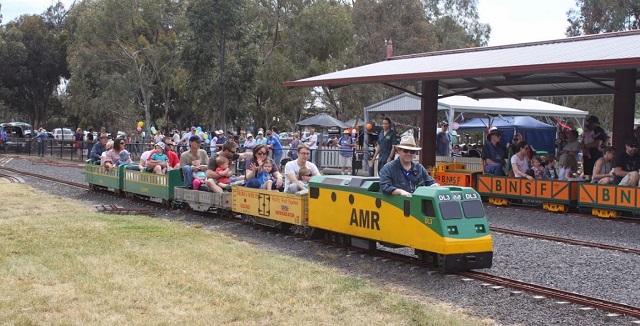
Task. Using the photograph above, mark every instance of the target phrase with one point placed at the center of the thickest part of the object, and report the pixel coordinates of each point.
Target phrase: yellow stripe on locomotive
(441, 220)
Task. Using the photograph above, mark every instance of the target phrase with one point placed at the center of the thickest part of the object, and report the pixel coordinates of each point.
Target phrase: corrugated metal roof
(407, 103)
(579, 65)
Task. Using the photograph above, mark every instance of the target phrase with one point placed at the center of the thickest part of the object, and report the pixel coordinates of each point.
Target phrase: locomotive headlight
(480, 228)
(453, 230)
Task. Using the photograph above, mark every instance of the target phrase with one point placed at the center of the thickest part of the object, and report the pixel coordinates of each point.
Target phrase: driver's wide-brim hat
(409, 143)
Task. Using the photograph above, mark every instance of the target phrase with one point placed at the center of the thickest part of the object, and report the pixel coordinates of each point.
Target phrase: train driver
(403, 176)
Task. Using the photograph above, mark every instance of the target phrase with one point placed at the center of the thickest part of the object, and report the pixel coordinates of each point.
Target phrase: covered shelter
(540, 135)
(585, 65)
(322, 120)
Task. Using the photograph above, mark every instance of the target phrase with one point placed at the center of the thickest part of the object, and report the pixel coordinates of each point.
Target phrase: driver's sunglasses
(408, 151)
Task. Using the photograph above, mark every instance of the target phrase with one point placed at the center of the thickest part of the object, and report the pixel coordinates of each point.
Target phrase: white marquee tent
(408, 103)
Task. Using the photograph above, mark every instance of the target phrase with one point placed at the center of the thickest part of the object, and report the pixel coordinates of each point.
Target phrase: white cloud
(524, 21)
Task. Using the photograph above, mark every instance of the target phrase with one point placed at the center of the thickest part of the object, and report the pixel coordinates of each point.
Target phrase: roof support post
(428, 121)
(624, 102)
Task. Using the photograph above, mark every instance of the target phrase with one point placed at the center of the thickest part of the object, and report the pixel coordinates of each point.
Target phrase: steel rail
(606, 305)
(565, 240)
(44, 177)
(10, 178)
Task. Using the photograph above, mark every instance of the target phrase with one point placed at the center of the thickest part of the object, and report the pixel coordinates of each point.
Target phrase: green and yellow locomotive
(446, 226)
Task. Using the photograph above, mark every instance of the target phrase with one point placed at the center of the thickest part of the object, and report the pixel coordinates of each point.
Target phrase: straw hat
(409, 143)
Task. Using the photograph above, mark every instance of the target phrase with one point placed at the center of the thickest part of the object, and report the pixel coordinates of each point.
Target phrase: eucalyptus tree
(601, 16)
(218, 57)
(32, 61)
(125, 61)
(595, 17)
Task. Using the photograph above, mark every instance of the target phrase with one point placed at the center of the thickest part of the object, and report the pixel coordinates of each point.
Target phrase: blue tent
(539, 134)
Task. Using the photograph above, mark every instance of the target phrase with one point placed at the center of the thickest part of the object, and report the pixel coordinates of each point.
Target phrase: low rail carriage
(554, 195)
(445, 226)
(607, 201)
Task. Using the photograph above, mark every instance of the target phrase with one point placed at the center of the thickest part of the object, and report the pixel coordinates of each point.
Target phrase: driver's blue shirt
(393, 176)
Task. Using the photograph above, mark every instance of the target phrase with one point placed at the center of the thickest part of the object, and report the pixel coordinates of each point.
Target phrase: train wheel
(430, 259)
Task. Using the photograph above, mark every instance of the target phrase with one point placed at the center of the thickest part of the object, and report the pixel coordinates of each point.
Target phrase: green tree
(125, 59)
(32, 60)
(220, 62)
(601, 16)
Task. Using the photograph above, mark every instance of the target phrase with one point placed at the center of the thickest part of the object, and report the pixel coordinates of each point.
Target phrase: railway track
(534, 208)
(44, 177)
(10, 178)
(605, 305)
(565, 240)
(542, 291)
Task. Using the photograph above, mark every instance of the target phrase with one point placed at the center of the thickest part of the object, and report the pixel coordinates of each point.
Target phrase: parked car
(62, 134)
(16, 139)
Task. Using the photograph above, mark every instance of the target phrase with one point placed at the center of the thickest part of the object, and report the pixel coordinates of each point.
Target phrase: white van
(62, 133)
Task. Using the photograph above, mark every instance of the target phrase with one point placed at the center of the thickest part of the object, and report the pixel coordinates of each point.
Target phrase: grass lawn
(61, 263)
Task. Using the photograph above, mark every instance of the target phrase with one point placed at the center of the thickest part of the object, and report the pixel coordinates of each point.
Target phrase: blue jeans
(253, 183)
(41, 146)
(187, 176)
(495, 169)
(277, 158)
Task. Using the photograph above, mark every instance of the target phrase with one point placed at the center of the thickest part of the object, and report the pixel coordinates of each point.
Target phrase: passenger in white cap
(221, 140)
(160, 159)
(260, 139)
(249, 144)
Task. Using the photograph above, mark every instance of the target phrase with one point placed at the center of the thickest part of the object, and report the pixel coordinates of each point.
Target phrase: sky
(512, 21)
(518, 21)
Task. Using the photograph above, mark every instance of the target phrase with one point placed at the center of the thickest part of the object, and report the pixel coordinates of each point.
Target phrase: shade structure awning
(322, 120)
(584, 65)
(408, 103)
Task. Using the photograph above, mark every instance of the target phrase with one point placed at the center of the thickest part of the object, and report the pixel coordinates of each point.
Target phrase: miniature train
(607, 201)
(445, 226)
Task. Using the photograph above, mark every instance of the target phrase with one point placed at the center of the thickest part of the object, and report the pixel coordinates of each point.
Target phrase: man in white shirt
(292, 168)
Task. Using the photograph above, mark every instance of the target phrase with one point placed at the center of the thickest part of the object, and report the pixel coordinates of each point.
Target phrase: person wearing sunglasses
(292, 168)
(254, 166)
(403, 176)
(626, 164)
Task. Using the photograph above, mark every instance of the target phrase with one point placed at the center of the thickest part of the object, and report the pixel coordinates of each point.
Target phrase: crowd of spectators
(586, 156)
